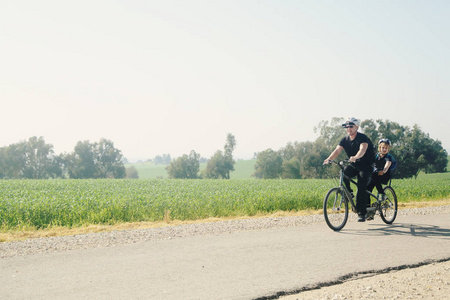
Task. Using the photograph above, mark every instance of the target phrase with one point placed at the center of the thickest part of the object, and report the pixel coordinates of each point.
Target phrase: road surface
(259, 264)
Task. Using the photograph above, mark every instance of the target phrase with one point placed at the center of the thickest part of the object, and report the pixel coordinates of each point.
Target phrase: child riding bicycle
(384, 164)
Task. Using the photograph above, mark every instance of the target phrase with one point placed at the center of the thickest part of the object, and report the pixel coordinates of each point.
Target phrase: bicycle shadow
(407, 229)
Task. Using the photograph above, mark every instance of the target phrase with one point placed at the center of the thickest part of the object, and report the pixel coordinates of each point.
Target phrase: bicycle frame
(343, 188)
(346, 191)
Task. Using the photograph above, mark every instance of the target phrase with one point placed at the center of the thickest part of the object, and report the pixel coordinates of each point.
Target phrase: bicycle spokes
(388, 208)
(338, 203)
(335, 208)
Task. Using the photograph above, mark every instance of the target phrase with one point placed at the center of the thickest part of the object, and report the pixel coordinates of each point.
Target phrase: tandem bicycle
(337, 201)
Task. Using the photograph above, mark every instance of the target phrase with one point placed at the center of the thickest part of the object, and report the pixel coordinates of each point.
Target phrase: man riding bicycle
(359, 149)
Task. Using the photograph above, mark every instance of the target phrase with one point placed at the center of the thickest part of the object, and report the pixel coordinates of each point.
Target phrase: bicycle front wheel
(388, 207)
(335, 209)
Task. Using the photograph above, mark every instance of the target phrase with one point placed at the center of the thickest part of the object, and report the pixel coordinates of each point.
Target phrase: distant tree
(386, 129)
(41, 162)
(230, 145)
(132, 173)
(268, 165)
(215, 167)
(158, 160)
(304, 160)
(185, 167)
(418, 152)
(291, 168)
(165, 159)
(32, 159)
(222, 163)
(80, 163)
(108, 160)
(291, 156)
(13, 160)
(228, 165)
(95, 160)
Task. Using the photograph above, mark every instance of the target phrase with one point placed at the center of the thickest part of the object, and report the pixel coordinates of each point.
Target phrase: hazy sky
(174, 76)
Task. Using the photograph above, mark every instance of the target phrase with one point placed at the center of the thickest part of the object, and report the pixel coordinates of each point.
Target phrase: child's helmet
(386, 141)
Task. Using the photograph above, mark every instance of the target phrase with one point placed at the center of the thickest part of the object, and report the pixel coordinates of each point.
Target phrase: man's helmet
(352, 121)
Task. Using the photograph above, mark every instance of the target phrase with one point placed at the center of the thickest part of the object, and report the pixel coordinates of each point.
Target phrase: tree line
(35, 159)
(413, 149)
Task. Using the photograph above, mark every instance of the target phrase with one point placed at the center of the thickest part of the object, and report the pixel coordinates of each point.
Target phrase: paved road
(242, 265)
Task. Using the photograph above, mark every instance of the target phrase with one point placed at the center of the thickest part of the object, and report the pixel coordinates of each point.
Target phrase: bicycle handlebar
(341, 163)
(345, 161)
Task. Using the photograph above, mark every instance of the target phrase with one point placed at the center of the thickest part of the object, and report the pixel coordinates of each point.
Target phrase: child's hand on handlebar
(327, 161)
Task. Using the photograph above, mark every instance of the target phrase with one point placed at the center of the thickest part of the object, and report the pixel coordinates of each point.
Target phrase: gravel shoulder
(430, 281)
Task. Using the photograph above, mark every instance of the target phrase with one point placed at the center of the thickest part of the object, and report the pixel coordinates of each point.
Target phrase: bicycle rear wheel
(335, 209)
(388, 207)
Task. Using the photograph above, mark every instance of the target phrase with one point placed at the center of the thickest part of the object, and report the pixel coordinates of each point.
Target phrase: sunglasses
(348, 125)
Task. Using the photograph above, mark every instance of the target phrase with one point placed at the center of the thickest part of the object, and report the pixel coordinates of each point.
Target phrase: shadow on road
(418, 230)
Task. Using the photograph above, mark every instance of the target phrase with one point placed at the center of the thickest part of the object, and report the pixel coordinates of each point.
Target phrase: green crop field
(73, 203)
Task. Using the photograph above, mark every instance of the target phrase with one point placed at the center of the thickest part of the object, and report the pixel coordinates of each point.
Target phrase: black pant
(377, 181)
(363, 176)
